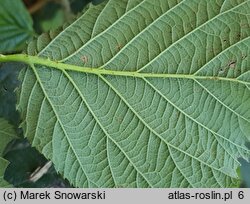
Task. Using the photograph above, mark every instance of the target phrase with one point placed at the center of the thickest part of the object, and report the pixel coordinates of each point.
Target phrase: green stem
(101, 71)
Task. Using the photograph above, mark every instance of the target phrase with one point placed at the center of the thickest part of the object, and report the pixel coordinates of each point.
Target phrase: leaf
(3, 166)
(25, 163)
(15, 25)
(165, 105)
(7, 133)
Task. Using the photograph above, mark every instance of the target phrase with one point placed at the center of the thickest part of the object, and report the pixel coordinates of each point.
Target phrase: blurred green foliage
(25, 160)
(8, 83)
(56, 13)
(15, 25)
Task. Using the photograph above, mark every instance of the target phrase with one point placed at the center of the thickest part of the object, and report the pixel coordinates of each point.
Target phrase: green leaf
(7, 133)
(167, 103)
(3, 166)
(15, 25)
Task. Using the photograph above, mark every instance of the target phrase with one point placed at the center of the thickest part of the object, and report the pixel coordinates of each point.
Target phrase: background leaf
(120, 131)
(15, 25)
(21, 161)
(24, 162)
(7, 133)
(3, 165)
(50, 15)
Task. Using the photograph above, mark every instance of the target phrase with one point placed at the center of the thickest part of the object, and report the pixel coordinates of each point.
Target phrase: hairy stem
(102, 71)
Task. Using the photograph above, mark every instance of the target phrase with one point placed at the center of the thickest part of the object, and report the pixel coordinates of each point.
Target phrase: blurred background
(20, 21)
(50, 14)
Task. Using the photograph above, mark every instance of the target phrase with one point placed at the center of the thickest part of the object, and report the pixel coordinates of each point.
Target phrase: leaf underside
(118, 131)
